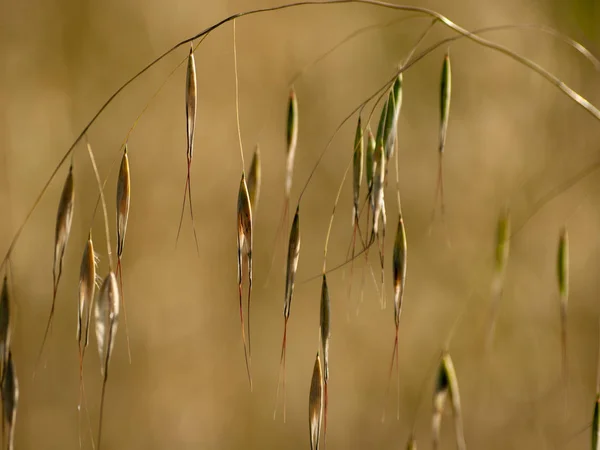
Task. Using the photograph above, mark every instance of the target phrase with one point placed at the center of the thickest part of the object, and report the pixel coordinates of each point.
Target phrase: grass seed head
(562, 264)
(123, 199)
(445, 94)
(324, 326)
(292, 263)
(87, 286)
(357, 168)
(502, 240)
(399, 268)
(315, 405)
(190, 103)
(292, 139)
(380, 140)
(378, 188)
(64, 218)
(10, 399)
(596, 424)
(5, 334)
(244, 216)
(393, 114)
(370, 157)
(254, 179)
(107, 316)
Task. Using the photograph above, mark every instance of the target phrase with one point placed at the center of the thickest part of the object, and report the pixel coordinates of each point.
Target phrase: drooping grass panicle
(244, 249)
(64, 219)
(10, 400)
(315, 405)
(445, 94)
(290, 278)
(191, 103)
(254, 179)
(325, 333)
(562, 274)
(123, 201)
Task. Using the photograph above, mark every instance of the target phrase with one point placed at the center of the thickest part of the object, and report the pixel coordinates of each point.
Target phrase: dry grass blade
(393, 114)
(123, 200)
(315, 405)
(254, 179)
(10, 400)
(562, 273)
(596, 425)
(107, 318)
(64, 218)
(190, 116)
(5, 332)
(501, 251)
(244, 249)
(325, 336)
(445, 94)
(290, 278)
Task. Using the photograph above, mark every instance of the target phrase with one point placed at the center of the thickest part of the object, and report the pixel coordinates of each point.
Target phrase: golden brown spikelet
(315, 405)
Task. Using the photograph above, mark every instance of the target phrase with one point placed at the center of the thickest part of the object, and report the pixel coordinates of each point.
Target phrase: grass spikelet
(123, 200)
(64, 218)
(447, 386)
(190, 116)
(292, 142)
(10, 400)
(5, 333)
(394, 104)
(254, 179)
(370, 159)
(393, 114)
(562, 273)
(290, 277)
(107, 318)
(596, 425)
(501, 254)
(445, 94)
(244, 249)
(399, 280)
(379, 214)
(325, 336)
(412, 443)
(315, 405)
(357, 175)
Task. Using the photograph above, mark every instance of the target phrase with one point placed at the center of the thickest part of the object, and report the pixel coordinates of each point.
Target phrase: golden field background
(512, 139)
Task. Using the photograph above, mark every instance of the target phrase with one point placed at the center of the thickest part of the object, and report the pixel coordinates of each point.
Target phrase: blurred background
(512, 139)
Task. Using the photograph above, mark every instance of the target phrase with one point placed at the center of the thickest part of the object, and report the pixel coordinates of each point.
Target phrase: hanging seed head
(107, 316)
(562, 266)
(324, 326)
(502, 240)
(87, 286)
(254, 179)
(357, 168)
(244, 216)
(64, 218)
(378, 188)
(5, 335)
(123, 198)
(370, 158)
(445, 94)
(190, 102)
(315, 405)
(292, 139)
(10, 398)
(381, 127)
(393, 114)
(596, 425)
(292, 263)
(399, 268)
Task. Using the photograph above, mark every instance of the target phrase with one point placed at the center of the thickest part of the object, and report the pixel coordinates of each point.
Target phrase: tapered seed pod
(315, 405)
